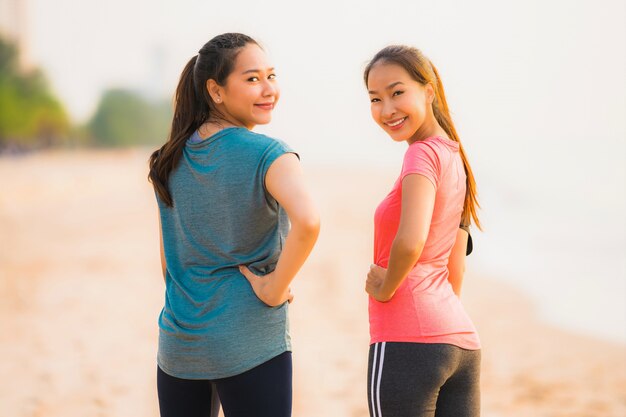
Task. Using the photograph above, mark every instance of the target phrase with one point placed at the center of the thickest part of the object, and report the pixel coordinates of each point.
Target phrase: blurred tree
(124, 117)
(30, 115)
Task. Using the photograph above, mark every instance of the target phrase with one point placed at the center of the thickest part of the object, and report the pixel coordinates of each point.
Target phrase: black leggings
(423, 380)
(264, 391)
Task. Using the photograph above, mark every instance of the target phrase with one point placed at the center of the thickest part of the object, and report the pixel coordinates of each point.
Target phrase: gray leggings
(423, 380)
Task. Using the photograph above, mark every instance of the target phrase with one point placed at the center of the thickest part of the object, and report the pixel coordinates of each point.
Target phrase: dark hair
(422, 70)
(193, 105)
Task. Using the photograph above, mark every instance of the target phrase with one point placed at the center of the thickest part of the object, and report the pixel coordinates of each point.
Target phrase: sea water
(555, 227)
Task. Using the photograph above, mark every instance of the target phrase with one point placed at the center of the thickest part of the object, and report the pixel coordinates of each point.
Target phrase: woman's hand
(374, 285)
(261, 285)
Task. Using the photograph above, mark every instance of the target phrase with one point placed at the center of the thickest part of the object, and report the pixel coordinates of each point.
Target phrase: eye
(397, 93)
(374, 100)
(271, 77)
(253, 79)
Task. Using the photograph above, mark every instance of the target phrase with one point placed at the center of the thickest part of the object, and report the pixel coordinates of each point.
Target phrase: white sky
(535, 65)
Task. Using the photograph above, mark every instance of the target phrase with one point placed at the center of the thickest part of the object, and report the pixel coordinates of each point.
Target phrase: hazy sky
(529, 65)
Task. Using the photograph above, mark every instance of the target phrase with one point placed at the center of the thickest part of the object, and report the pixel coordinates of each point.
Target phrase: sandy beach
(81, 289)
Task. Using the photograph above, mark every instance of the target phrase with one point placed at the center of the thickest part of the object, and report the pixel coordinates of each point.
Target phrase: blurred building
(14, 27)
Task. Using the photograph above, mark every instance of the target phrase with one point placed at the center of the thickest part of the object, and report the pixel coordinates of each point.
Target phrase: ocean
(555, 227)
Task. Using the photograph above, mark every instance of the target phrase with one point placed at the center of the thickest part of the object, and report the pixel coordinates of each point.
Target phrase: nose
(388, 110)
(269, 88)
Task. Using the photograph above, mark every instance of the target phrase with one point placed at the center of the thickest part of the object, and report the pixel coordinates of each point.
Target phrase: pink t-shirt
(424, 309)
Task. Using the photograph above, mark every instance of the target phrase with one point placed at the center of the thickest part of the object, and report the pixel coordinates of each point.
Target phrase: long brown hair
(422, 70)
(193, 105)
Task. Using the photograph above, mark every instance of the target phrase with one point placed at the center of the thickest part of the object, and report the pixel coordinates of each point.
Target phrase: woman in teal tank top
(226, 198)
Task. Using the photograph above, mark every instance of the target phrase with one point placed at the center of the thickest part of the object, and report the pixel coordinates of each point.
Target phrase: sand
(81, 289)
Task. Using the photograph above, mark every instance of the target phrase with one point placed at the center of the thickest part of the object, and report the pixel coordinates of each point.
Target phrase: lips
(265, 106)
(396, 124)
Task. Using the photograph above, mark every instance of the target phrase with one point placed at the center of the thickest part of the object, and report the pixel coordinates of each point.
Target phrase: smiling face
(250, 92)
(399, 104)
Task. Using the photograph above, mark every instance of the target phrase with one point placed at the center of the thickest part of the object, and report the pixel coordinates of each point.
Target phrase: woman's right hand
(262, 287)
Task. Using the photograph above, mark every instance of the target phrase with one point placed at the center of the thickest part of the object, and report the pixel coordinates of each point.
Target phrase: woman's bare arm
(418, 202)
(285, 182)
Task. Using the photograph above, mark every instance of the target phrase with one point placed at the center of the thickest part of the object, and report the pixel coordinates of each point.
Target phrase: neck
(214, 125)
(428, 129)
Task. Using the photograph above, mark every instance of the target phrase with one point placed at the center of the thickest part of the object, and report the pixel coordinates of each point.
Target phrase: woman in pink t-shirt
(425, 353)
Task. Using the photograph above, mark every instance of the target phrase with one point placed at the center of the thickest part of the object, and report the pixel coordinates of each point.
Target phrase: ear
(430, 93)
(215, 90)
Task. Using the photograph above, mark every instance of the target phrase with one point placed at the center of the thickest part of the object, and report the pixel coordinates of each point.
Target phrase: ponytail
(189, 114)
(442, 114)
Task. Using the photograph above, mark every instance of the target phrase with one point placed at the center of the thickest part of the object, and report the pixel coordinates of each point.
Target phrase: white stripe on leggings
(380, 372)
(372, 383)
